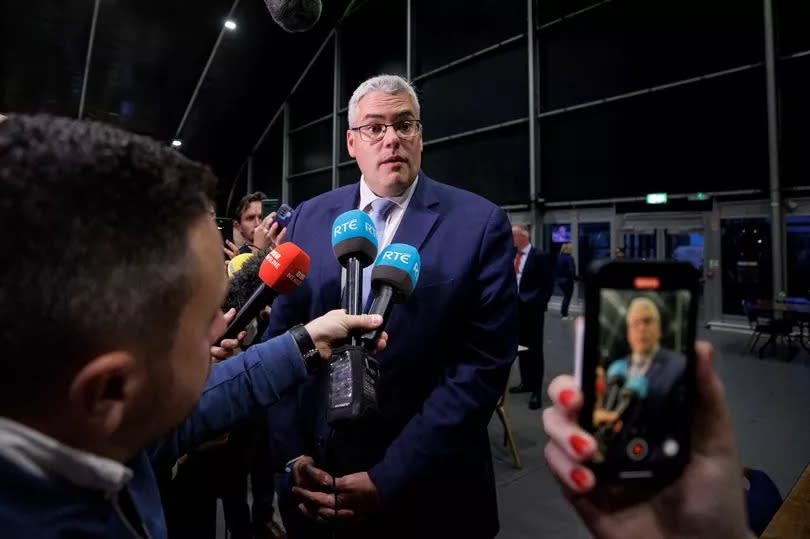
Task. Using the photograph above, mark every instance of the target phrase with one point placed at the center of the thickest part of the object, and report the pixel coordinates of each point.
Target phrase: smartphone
(269, 205)
(283, 216)
(225, 226)
(637, 369)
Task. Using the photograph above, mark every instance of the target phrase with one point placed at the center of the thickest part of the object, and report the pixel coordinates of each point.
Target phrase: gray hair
(644, 302)
(390, 84)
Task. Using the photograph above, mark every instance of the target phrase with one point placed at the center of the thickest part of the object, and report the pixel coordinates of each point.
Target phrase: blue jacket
(36, 508)
(448, 357)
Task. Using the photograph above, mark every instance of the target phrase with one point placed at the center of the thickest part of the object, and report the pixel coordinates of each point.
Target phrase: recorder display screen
(640, 414)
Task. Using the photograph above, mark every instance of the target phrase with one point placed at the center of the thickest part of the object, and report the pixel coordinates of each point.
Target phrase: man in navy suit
(424, 468)
(535, 281)
(665, 372)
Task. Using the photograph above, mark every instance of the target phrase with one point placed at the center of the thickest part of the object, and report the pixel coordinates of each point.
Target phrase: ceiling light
(177, 143)
(230, 25)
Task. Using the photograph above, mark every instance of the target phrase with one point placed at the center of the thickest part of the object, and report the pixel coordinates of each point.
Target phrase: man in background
(535, 282)
(248, 216)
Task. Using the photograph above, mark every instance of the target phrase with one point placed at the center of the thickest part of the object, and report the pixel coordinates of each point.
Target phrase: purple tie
(379, 212)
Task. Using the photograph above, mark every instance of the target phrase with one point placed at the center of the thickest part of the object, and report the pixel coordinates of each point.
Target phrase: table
(798, 314)
(792, 521)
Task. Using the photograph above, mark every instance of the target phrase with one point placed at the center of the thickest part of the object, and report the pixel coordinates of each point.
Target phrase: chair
(508, 439)
(758, 327)
(771, 327)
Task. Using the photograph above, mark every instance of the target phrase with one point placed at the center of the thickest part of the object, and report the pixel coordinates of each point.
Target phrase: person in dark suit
(424, 468)
(664, 372)
(535, 281)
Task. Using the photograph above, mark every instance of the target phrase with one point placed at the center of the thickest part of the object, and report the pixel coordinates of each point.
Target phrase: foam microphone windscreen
(354, 235)
(397, 265)
(238, 261)
(295, 15)
(244, 280)
(284, 268)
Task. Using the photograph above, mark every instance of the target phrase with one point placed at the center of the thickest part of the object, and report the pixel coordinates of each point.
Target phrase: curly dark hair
(101, 256)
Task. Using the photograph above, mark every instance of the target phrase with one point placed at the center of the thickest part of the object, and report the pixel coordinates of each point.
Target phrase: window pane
(450, 29)
(465, 98)
(594, 244)
(798, 255)
(309, 186)
(311, 148)
(635, 44)
(746, 262)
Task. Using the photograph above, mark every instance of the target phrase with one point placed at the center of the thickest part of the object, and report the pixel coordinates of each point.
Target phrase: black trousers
(531, 362)
(568, 291)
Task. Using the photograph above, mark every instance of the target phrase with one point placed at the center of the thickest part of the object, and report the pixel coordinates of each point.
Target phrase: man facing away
(107, 329)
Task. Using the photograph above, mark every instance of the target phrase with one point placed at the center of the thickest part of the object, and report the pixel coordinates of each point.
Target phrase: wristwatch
(311, 355)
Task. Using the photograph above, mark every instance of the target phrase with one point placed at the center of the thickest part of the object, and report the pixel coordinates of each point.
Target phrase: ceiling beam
(89, 57)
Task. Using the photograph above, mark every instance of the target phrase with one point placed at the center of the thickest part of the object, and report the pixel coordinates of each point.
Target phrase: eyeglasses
(405, 129)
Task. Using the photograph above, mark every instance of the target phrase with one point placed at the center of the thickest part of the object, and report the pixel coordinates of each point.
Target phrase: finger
(219, 353)
(363, 321)
(281, 236)
(345, 514)
(571, 474)
(382, 342)
(574, 441)
(317, 475)
(231, 245)
(229, 315)
(229, 344)
(322, 499)
(240, 338)
(273, 229)
(311, 514)
(712, 431)
(565, 394)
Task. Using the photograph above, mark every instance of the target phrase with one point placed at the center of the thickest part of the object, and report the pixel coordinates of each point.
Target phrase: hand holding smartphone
(638, 368)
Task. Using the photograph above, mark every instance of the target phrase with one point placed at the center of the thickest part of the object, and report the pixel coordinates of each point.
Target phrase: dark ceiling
(146, 60)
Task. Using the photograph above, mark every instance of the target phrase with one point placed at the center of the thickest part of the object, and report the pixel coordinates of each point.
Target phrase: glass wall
(746, 262)
(798, 256)
(594, 244)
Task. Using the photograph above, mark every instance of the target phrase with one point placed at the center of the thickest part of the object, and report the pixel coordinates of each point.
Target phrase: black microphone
(616, 376)
(243, 272)
(281, 272)
(392, 280)
(295, 15)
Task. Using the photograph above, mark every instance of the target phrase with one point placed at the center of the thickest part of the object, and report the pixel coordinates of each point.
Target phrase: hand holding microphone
(282, 271)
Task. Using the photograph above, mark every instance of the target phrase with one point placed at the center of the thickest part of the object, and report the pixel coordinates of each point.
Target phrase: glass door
(641, 244)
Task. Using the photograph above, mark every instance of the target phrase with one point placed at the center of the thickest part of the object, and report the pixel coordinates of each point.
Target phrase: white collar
(45, 457)
(526, 249)
(367, 196)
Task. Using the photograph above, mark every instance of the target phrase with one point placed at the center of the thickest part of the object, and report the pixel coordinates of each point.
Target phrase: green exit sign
(657, 198)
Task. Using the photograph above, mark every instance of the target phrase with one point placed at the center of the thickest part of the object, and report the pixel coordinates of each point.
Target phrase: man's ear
(350, 142)
(103, 389)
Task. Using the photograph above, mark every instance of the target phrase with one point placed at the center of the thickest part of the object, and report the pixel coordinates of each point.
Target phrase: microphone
(635, 389)
(238, 262)
(354, 241)
(616, 376)
(393, 278)
(295, 15)
(282, 271)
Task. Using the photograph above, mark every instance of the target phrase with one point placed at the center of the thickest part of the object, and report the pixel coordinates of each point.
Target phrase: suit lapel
(420, 217)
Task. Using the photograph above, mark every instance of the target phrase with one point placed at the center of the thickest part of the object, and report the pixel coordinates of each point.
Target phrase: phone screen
(269, 205)
(642, 361)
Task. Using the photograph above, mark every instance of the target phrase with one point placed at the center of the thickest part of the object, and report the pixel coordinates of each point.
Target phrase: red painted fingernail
(579, 477)
(578, 443)
(566, 396)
